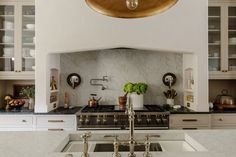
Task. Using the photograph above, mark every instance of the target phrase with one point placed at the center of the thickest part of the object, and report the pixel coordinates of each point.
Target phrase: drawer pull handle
(220, 119)
(56, 121)
(24, 121)
(189, 128)
(189, 120)
(55, 129)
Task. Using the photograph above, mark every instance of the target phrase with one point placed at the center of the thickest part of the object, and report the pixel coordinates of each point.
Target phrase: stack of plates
(232, 40)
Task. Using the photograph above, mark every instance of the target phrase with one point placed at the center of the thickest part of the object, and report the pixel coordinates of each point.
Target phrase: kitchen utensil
(94, 102)
(224, 98)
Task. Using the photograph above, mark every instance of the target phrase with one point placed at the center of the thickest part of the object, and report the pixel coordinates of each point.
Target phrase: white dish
(7, 39)
(30, 26)
(8, 52)
(32, 52)
(8, 25)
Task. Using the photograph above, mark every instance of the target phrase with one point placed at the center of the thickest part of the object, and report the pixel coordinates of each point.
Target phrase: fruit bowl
(16, 103)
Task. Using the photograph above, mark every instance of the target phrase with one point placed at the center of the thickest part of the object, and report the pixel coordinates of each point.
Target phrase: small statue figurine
(53, 84)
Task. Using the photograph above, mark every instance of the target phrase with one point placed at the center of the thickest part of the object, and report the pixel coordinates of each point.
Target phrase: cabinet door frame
(20, 32)
(224, 72)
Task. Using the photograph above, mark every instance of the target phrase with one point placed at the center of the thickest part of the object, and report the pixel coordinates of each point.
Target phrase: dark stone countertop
(25, 111)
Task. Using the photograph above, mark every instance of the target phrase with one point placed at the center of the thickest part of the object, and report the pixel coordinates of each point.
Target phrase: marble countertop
(219, 143)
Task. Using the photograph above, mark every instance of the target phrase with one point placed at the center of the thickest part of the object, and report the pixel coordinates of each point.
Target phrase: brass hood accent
(119, 8)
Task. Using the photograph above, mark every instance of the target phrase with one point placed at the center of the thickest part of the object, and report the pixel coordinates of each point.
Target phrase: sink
(108, 147)
(168, 142)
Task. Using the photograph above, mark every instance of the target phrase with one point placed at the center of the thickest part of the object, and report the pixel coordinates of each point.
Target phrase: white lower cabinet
(190, 121)
(223, 121)
(55, 123)
(16, 122)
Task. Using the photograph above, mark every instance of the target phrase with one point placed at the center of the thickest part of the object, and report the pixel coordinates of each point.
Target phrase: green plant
(28, 92)
(138, 88)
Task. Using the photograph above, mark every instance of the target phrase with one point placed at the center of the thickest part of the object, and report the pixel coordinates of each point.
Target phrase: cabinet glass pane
(28, 38)
(6, 38)
(214, 38)
(232, 38)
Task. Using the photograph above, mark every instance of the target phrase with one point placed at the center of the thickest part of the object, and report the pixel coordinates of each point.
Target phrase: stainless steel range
(112, 117)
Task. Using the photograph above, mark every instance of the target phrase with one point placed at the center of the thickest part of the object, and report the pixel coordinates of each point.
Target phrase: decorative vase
(170, 102)
(136, 100)
(31, 103)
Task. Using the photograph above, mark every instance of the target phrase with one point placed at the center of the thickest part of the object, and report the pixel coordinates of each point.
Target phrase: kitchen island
(218, 143)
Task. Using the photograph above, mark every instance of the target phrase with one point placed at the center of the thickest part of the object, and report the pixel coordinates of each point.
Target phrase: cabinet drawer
(55, 121)
(223, 119)
(16, 121)
(186, 120)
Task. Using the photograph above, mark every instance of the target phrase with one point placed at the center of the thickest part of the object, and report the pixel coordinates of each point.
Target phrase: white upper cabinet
(222, 40)
(17, 37)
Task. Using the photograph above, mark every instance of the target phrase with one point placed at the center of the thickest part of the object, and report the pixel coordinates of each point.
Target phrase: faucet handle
(147, 145)
(86, 135)
(116, 144)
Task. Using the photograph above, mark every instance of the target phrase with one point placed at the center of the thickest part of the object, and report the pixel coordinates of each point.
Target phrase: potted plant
(136, 91)
(29, 93)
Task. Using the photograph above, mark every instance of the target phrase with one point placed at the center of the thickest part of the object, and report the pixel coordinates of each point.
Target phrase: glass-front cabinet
(232, 38)
(222, 40)
(214, 38)
(17, 40)
(28, 38)
(7, 37)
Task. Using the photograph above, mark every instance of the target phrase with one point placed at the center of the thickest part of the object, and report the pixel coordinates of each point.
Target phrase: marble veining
(121, 66)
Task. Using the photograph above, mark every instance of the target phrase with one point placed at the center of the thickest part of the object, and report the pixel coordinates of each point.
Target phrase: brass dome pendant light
(130, 8)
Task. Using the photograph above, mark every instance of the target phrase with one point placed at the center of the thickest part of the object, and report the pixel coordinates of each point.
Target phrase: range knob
(81, 119)
(98, 119)
(115, 119)
(158, 119)
(164, 119)
(87, 119)
(104, 119)
(148, 119)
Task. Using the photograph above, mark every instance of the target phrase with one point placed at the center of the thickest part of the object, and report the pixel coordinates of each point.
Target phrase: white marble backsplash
(121, 66)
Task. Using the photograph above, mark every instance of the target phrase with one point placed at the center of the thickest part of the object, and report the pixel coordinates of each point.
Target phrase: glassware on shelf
(28, 38)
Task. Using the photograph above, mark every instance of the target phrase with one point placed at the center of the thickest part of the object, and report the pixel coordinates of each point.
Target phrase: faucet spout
(131, 114)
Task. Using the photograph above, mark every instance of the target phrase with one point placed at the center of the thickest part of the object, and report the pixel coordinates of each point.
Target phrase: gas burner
(99, 108)
(155, 108)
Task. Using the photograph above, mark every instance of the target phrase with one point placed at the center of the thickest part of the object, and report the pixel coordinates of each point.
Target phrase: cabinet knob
(24, 121)
(220, 119)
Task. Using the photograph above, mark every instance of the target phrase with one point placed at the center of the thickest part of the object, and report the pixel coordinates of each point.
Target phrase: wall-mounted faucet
(93, 82)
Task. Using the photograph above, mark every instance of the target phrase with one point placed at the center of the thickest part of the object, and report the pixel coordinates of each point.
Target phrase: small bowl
(30, 26)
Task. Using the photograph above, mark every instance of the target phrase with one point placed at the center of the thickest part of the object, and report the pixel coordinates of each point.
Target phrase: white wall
(71, 26)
